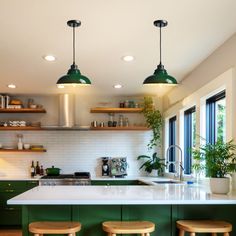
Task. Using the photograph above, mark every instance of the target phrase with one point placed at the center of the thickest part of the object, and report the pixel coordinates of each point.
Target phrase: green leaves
(154, 121)
(152, 163)
(216, 159)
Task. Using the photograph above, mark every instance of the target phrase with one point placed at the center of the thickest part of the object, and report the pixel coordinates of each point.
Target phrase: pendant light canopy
(160, 75)
(73, 76)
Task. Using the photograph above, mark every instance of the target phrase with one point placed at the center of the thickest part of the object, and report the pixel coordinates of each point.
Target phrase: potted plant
(154, 121)
(217, 160)
(152, 163)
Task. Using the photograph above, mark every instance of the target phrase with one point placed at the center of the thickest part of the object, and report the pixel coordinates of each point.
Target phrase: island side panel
(92, 216)
(214, 212)
(160, 215)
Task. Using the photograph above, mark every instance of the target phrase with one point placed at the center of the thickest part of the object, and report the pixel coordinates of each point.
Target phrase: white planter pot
(220, 185)
(154, 173)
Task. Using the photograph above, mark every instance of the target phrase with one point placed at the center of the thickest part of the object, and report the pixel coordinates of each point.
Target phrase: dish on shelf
(84, 126)
(8, 148)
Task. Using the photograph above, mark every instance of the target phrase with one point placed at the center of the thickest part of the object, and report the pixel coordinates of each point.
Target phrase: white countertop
(162, 194)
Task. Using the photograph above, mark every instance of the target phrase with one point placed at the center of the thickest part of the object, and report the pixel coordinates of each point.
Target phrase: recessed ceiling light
(60, 86)
(11, 86)
(117, 86)
(49, 58)
(128, 58)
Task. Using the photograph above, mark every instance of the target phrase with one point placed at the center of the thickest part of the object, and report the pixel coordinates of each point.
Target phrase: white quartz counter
(162, 194)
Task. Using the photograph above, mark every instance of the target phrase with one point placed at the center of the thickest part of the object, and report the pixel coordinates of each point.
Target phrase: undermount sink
(167, 182)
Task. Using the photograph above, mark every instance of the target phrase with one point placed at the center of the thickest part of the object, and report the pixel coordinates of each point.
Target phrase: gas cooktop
(76, 175)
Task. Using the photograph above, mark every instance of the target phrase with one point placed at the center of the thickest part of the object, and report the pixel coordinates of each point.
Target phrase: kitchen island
(91, 205)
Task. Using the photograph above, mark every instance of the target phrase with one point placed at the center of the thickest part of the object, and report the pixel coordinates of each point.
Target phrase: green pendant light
(73, 76)
(160, 75)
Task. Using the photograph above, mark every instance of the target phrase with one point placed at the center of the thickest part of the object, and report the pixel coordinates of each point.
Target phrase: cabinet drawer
(6, 196)
(12, 186)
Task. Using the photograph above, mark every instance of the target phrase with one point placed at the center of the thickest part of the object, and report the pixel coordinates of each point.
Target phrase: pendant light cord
(160, 45)
(73, 45)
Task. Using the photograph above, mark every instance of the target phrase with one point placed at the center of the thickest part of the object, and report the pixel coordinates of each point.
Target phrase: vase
(220, 185)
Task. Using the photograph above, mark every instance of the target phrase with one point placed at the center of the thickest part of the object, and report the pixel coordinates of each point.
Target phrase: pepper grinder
(105, 166)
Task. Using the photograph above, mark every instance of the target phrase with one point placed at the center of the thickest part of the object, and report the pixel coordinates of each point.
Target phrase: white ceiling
(110, 29)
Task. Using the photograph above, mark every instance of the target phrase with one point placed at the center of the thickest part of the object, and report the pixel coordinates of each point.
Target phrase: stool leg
(192, 234)
(214, 234)
(226, 234)
(181, 232)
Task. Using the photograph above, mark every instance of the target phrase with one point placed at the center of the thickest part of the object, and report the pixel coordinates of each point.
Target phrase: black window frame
(172, 141)
(211, 116)
(188, 139)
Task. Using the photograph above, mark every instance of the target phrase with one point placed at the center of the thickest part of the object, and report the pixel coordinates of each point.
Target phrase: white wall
(74, 150)
(216, 64)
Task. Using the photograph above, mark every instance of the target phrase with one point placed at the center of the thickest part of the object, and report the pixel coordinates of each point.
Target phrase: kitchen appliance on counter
(105, 166)
(78, 178)
(119, 167)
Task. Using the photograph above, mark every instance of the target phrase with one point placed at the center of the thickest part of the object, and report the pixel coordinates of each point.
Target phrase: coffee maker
(105, 166)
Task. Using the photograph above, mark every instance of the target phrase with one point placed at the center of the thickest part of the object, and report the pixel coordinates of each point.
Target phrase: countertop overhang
(166, 194)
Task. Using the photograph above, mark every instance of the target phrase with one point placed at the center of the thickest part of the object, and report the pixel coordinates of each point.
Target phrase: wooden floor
(12, 232)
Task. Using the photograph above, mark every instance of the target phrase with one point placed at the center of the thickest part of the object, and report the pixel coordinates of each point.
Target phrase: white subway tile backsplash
(74, 150)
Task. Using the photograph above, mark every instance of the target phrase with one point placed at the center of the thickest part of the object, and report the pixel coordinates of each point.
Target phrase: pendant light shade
(73, 76)
(160, 75)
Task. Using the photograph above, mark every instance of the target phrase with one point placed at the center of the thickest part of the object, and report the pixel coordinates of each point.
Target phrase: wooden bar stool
(144, 228)
(52, 227)
(203, 226)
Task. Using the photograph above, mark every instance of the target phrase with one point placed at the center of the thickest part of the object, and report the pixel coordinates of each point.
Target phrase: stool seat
(52, 227)
(128, 227)
(203, 226)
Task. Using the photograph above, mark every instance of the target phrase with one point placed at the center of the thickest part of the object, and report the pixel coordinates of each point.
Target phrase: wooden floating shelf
(115, 110)
(120, 128)
(16, 150)
(22, 110)
(20, 128)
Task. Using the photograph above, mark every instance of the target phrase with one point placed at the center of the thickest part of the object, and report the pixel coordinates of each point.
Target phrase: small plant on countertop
(152, 163)
(154, 121)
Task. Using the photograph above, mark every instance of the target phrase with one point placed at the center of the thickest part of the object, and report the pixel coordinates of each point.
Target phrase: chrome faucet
(180, 162)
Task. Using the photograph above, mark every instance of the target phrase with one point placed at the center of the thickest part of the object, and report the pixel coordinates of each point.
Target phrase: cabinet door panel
(92, 217)
(10, 216)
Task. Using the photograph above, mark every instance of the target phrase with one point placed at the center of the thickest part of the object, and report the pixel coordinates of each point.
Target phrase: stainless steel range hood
(66, 114)
(66, 110)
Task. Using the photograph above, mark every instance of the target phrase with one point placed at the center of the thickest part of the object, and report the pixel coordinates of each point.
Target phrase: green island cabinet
(12, 215)
(92, 216)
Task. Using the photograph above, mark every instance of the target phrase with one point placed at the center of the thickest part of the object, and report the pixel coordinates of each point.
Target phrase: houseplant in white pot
(153, 164)
(217, 161)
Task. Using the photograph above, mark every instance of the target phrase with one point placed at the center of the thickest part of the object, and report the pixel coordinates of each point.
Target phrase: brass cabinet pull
(9, 190)
(9, 208)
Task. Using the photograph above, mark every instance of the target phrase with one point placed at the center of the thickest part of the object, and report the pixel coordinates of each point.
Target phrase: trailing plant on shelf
(152, 163)
(154, 121)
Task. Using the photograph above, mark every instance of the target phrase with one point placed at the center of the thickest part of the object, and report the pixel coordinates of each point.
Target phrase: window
(216, 118)
(172, 141)
(189, 137)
